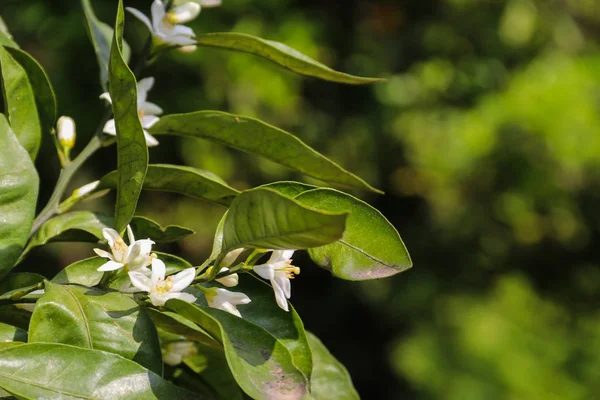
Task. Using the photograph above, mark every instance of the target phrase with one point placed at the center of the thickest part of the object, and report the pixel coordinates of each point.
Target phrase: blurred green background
(486, 139)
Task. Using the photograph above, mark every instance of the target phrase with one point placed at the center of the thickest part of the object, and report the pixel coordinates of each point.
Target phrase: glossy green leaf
(289, 188)
(19, 280)
(58, 371)
(217, 248)
(96, 319)
(75, 226)
(183, 180)
(263, 218)
(16, 314)
(330, 379)
(254, 136)
(281, 55)
(18, 196)
(101, 37)
(45, 98)
(6, 38)
(261, 365)
(84, 272)
(371, 248)
(212, 369)
(132, 153)
(287, 327)
(19, 100)
(176, 324)
(9, 333)
(146, 228)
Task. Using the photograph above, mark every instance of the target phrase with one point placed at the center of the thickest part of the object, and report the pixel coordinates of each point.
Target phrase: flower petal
(150, 108)
(141, 16)
(182, 279)
(285, 285)
(140, 281)
(143, 87)
(188, 298)
(150, 140)
(110, 127)
(265, 271)
(230, 308)
(279, 295)
(185, 13)
(182, 30)
(158, 270)
(104, 254)
(148, 120)
(130, 235)
(179, 40)
(111, 266)
(111, 236)
(106, 96)
(158, 13)
(287, 254)
(276, 256)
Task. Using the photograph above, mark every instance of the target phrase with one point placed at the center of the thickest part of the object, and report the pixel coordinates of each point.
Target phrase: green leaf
(75, 226)
(330, 379)
(261, 365)
(95, 319)
(6, 38)
(287, 327)
(18, 195)
(183, 180)
(9, 333)
(132, 153)
(254, 136)
(289, 188)
(53, 371)
(101, 36)
(146, 228)
(176, 324)
(281, 55)
(19, 280)
(211, 367)
(15, 314)
(84, 272)
(371, 248)
(217, 245)
(263, 218)
(19, 101)
(45, 98)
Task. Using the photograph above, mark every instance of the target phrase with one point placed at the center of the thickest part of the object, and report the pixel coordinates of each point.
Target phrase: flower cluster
(136, 257)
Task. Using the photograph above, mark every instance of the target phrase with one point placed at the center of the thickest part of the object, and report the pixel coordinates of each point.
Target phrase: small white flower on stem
(165, 26)
(174, 353)
(229, 280)
(279, 270)
(65, 128)
(136, 256)
(147, 111)
(85, 189)
(161, 288)
(226, 300)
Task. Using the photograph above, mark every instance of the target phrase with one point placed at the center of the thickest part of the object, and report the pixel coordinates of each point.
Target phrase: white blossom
(229, 280)
(65, 128)
(147, 111)
(136, 256)
(165, 26)
(279, 270)
(175, 352)
(226, 300)
(161, 288)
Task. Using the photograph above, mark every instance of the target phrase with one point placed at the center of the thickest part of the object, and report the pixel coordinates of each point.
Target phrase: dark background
(485, 138)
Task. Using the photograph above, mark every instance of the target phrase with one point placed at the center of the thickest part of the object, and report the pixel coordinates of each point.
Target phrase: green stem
(63, 180)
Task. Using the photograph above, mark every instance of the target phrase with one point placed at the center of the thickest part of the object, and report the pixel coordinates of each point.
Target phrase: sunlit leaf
(52, 371)
(261, 365)
(6, 38)
(132, 153)
(263, 218)
(84, 272)
(174, 323)
(20, 103)
(280, 54)
(45, 98)
(18, 196)
(330, 379)
(183, 180)
(95, 319)
(289, 188)
(254, 136)
(101, 36)
(9, 333)
(370, 248)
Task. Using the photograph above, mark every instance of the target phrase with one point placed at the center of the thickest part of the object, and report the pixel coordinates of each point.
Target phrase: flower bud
(231, 257)
(187, 49)
(229, 280)
(66, 132)
(184, 13)
(85, 189)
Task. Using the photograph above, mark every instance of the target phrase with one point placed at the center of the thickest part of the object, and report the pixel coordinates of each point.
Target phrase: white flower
(65, 127)
(85, 189)
(203, 3)
(176, 352)
(229, 280)
(161, 289)
(147, 111)
(136, 256)
(164, 25)
(279, 270)
(226, 300)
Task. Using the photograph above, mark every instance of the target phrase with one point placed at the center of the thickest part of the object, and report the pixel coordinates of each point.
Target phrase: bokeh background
(485, 138)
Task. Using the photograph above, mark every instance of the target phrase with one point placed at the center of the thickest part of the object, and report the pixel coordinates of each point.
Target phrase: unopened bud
(85, 189)
(66, 132)
(184, 13)
(187, 49)
(229, 280)
(231, 257)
